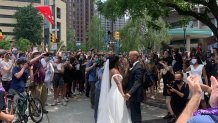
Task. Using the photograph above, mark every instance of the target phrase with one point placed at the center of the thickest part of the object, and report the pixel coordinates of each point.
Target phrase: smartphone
(188, 74)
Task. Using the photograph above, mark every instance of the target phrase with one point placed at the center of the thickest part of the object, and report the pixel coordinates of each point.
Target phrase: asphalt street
(78, 110)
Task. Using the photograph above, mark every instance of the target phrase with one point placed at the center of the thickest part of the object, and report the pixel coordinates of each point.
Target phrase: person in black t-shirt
(179, 95)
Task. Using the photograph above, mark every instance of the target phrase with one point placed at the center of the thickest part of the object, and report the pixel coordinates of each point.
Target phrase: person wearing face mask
(198, 70)
(179, 95)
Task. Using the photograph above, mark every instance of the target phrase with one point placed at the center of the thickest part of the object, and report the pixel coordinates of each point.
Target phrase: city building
(58, 8)
(117, 25)
(192, 34)
(8, 22)
(106, 24)
(79, 14)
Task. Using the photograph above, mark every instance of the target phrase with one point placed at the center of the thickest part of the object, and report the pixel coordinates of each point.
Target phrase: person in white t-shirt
(6, 71)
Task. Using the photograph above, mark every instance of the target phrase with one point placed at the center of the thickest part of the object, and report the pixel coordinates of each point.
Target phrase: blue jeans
(97, 96)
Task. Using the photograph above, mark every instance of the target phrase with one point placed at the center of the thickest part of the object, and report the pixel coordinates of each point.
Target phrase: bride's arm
(118, 80)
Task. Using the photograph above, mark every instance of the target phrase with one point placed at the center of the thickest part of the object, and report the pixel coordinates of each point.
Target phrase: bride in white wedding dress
(112, 106)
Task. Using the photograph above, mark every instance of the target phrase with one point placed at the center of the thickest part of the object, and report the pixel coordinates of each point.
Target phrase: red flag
(46, 11)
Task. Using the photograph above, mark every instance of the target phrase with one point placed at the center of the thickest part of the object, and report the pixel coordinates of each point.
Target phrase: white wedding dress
(112, 106)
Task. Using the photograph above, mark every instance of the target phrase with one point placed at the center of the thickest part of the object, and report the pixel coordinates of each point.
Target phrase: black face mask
(178, 81)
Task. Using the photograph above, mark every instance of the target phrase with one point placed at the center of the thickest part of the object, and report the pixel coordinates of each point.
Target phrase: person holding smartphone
(92, 77)
(179, 92)
(168, 75)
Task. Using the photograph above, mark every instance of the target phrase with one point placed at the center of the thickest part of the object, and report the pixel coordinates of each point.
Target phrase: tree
(29, 24)
(95, 34)
(23, 44)
(157, 8)
(137, 35)
(71, 46)
(5, 44)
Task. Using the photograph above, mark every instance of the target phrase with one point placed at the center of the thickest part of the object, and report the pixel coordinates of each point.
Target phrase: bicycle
(25, 106)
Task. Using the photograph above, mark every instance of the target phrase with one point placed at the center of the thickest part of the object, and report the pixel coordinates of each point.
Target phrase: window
(59, 32)
(6, 16)
(58, 13)
(46, 2)
(8, 33)
(33, 1)
(9, 7)
(7, 25)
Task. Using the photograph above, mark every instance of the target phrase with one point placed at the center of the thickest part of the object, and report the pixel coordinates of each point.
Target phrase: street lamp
(184, 29)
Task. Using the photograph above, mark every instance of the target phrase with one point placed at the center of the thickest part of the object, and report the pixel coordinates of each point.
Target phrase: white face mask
(194, 61)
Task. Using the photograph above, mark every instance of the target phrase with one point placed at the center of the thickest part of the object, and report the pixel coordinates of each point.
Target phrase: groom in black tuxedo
(134, 88)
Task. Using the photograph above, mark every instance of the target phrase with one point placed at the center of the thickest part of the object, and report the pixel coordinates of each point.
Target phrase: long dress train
(115, 109)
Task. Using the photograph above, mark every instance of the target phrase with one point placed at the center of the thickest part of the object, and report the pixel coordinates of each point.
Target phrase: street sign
(78, 44)
(54, 46)
(52, 30)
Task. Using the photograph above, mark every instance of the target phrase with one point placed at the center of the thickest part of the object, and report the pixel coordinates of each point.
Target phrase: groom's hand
(127, 96)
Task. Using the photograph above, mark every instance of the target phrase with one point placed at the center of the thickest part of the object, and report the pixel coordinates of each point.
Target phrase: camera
(169, 86)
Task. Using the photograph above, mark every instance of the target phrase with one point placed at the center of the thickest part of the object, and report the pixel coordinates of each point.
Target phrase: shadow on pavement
(155, 121)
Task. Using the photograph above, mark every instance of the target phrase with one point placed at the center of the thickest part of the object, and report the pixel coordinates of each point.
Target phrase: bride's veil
(105, 86)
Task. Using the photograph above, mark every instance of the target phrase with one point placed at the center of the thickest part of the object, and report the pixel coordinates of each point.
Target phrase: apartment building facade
(8, 22)
(79, 14)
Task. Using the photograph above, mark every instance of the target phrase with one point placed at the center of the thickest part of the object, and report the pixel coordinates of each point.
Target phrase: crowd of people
(67, 74)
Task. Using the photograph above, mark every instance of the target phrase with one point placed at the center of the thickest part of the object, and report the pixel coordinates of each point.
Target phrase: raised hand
(194, 85)
(214, 94)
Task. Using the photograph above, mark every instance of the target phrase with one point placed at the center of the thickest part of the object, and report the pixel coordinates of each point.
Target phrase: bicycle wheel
(35, 110)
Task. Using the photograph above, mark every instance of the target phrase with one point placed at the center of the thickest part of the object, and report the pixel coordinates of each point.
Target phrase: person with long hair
(198, 70)
(112, 107)
(168, 75)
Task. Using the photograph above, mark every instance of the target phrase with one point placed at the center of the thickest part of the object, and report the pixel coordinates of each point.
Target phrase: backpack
(49, 74)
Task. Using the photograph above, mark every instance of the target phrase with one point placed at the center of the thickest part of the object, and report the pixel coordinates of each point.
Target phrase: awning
(178, 33)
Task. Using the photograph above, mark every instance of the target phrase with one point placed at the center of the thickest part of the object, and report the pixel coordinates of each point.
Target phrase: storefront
(190, 37)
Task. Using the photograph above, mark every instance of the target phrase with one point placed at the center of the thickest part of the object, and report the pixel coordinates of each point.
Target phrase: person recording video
(179, 92)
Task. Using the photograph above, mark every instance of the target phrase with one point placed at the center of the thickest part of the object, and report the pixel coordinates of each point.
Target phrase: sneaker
(54, 103)
(50, 93)
(66, 99)
(152, 97)
(168, 116)
(58, 101)
(44, 111)
(64, 102)
(172, 120)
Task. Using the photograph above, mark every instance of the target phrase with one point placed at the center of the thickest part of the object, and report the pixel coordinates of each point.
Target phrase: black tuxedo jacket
(134, 84)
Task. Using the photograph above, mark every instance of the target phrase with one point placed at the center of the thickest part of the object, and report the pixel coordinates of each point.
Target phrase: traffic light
(1, 36)
(52, 37)
(117, 35)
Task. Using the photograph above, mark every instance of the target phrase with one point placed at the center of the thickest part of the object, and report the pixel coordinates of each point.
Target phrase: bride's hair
(113, 61)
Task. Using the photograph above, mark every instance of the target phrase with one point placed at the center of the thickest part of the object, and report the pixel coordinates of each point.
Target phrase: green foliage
(95, 34)
(71, 46)
(156, 8)
(5, 44)
(29, 24)
(23, 44)
(83, 47)
(137, 35)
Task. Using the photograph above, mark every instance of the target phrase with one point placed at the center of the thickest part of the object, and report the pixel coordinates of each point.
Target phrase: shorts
(6, 85)
(58, 80)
